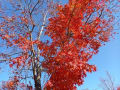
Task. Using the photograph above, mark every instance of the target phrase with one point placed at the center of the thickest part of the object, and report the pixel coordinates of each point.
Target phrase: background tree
(73, 34)
(108, 83)
(22, 24)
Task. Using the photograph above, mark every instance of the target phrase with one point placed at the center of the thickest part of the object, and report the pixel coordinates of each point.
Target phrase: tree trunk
(37, 82)
(37, 76)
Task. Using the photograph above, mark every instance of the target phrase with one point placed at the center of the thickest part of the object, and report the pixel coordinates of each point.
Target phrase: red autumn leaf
(11, 65)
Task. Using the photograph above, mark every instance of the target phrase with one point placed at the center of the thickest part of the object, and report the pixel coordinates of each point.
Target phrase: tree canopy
(58, 39)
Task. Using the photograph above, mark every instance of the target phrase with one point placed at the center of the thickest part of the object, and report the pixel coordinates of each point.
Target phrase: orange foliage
(77, 32)
(76, 38)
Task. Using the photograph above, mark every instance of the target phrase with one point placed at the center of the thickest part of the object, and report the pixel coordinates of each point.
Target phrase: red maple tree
(77, 36)
(118, 88)
(76, 31)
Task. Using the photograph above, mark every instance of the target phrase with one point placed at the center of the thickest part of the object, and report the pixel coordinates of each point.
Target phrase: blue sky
(108, 59)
